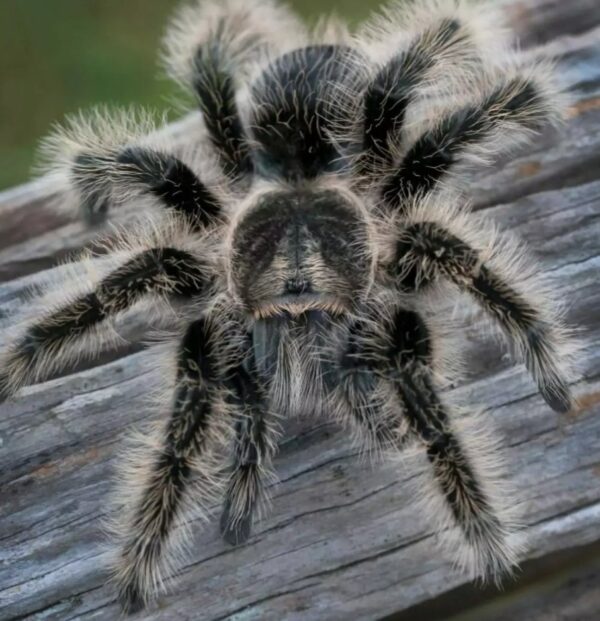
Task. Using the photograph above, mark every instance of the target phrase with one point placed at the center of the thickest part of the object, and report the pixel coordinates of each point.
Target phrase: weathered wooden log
(343, 540)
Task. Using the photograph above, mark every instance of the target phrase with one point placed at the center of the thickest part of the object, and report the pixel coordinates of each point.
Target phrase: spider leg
(515, 108)
(255, 445)
(361, 399)
(178, 473)
(211, 48)
(430, 421)
(454, 93)
(147, 171)
(103, 159)
(400, 357)
(49, 343)
(215, 90)
(426, 250)
(399, 82)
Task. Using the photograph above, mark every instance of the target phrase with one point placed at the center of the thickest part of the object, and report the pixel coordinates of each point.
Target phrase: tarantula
(304, 243)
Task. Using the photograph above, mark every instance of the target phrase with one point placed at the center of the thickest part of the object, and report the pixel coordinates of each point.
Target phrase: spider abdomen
(291, 121)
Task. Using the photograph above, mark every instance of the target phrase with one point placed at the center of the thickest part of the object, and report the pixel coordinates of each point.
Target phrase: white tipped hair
(506, 257)
(134, 473)
(331, 30)
(496, 553)
(255, 487)
(102, 133)
(249, 29)
(469, 63)
(99, 132)
(80, 275)
(506, 133)
(395, 25)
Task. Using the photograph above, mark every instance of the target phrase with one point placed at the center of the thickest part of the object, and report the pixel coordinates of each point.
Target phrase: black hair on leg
(453, 473)
(255, 445)
(362, 399)
(400, 358)
(148, 171)
(517, 103)
(173, 182)
(214, 86)
(164, 272)
(430, 422)
(427, 250)
(213, 47)
(397, 84)
(180, 473)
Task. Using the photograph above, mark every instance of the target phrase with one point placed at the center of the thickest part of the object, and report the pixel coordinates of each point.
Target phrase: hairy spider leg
(362, 397)
(475, 129)
(214, 86)
(426, 251)
(399, 83)
(255, 446)
(178, 475)
(405, 362)
(213, 49)
(98, 178)
(46, 345)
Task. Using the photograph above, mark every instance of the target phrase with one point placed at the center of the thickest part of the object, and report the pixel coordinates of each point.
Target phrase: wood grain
(342, 540)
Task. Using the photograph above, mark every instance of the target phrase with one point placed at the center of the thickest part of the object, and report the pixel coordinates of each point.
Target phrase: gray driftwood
(342, 540)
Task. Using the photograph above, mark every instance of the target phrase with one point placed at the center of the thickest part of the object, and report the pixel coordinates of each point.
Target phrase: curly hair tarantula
(307, 240)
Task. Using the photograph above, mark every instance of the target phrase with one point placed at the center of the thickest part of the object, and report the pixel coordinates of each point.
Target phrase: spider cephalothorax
(301, 247)
(294, 250)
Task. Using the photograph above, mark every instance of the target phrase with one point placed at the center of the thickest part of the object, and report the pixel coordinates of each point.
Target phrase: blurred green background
(63, 55)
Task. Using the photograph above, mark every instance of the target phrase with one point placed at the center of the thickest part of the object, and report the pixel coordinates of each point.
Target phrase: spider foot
(131, 600)
(235, 532)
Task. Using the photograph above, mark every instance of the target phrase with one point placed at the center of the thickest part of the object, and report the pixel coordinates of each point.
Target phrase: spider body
(309, 266)
(301, 249)
(287, 146)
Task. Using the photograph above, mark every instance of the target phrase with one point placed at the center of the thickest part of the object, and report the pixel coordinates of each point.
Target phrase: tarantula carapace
(302, 240)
